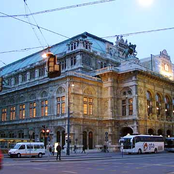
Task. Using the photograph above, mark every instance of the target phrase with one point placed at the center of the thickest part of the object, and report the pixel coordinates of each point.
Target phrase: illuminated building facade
(109, 91)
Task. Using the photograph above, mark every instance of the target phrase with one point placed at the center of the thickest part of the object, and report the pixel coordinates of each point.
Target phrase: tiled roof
(98, 44)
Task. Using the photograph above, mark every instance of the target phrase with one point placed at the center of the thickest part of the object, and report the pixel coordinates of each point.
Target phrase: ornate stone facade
(112, 95)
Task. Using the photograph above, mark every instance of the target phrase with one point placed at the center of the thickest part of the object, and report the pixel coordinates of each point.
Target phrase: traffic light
(54, 69)
(45, 131)
(1, 83)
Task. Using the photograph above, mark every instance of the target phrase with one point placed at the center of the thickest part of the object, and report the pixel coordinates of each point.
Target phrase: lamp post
(68, 124)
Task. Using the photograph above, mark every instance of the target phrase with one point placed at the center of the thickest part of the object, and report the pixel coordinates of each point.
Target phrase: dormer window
(73, 45)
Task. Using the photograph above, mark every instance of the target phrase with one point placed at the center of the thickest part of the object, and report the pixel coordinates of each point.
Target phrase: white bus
(141, 144)
(169, 144)
(27, 149)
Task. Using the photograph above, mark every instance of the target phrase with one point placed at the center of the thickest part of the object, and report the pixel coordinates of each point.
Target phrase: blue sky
(105, 19)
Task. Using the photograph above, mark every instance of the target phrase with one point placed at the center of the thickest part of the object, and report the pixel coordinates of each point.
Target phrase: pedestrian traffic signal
(1, 83)
(53, 68)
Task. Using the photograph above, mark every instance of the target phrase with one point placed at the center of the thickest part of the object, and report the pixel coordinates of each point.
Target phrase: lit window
(22, 111)
(4, 114)
(44, 108)
(60, 105)
(12, 113)
(87, 106)
(32, 110)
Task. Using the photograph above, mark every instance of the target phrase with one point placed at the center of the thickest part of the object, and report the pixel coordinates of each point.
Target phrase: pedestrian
(53, 150)
(48, 148)
(58, 148)
(75, 148)
(104, 148)
(83, 149)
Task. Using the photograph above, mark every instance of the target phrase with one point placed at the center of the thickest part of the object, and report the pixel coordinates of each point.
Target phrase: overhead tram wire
(139, 32)
(124, 35)
(26, 5)
(21, 50)
(61, 8)
(36, 26)
(32, 27)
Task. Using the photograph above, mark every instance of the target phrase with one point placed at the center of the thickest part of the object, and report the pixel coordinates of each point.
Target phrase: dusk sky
(102, 19)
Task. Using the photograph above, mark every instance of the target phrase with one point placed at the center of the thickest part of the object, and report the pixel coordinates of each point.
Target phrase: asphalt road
(101, 163)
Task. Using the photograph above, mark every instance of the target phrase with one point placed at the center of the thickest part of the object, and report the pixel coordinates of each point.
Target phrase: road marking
(68, 172)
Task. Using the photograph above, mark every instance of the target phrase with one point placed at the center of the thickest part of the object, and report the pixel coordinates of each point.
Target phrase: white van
(27, 149)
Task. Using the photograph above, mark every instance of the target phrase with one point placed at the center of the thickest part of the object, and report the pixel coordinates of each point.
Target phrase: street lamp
(68, 126)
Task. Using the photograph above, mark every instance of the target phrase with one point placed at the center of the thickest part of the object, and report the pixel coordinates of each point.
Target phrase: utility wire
(32, 27)
(140, 32)
(61, 8)
(26, 5)
(124, 35)
(20, 50)
(36, 25)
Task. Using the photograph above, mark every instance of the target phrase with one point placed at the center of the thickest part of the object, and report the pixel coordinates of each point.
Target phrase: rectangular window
(22, 111)
(4, 114)
(73, 61)
(60, 105)
(63, 64)
(131, 106)
(16, 80)
(32, 74)
(123, 107)
(41, 71)
(24, 77)
(44, 108)
(33, 110)
(90, 106)
(85, 109)
(12, 113)
(87, 106)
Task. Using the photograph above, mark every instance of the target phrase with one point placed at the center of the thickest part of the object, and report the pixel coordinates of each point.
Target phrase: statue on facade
(130, 50)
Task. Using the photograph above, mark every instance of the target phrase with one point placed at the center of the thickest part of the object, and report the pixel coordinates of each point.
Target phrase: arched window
(127, 102)
(158, 105)
(149, 103)
(60, 101)
(167, 106)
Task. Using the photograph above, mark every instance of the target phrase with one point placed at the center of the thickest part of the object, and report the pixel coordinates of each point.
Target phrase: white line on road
(68, 172)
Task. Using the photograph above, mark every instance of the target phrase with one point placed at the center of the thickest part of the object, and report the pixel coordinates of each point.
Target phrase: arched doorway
(150, 131)
(168, 133)
(125, 131)
(160, 132)
(85, 139)
(61, 138)
(90, 136)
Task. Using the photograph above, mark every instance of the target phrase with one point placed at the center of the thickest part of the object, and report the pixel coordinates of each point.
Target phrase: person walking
(53, 150)
(75, 148)
(83, 149)
(58, 148)
(48, 149)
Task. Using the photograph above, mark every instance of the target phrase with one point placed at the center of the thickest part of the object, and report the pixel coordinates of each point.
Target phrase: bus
(169, 144)
(141, 144)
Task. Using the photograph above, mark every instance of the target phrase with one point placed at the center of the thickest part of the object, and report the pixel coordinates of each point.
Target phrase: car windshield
(16, 146)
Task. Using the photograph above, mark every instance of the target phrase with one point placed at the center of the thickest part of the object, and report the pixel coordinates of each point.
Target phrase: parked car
(1, 157)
